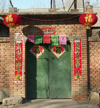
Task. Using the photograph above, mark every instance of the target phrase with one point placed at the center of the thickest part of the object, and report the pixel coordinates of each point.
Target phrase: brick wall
(4, 63)
(94, 57)
(94, 54)
(72, 29)
(79, 88)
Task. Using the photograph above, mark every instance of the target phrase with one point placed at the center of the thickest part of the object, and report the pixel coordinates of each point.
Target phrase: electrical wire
(11, 3)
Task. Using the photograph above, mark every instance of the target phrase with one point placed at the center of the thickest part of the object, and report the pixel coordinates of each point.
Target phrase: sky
(21, 4)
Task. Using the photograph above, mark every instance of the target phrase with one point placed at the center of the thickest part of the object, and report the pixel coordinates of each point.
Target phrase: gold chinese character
(78, 76)
(88, 18)
(9, 18)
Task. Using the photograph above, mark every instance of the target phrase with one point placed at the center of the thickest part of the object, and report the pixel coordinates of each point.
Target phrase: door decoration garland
(77, 60)
(46, 39)
(58, 51)
(54, 40)
(62, 40)
(38, 39)
(31, 38)
(37, 50)
(18, 60)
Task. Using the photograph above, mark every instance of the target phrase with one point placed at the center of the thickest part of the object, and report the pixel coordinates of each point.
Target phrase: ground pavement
(55, 103)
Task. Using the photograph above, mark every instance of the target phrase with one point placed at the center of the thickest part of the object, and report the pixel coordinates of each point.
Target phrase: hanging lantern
(12, 20)
(88, 19)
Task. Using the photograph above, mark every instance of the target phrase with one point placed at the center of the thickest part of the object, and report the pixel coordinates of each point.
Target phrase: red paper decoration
(77, 60)
(88, 19)
(37, 50)
(18, 60)
(12, 20)
(58, 51)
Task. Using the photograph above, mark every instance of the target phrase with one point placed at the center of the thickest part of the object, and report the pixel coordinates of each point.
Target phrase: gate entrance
(48, 76)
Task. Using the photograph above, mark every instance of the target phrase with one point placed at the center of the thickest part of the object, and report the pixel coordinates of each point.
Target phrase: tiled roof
(37, 11)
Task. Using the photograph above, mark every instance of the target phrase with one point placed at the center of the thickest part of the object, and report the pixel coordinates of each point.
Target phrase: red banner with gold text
(77, 60)
(18, 60)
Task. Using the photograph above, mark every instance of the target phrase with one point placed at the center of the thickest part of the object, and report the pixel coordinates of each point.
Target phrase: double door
(48, 76)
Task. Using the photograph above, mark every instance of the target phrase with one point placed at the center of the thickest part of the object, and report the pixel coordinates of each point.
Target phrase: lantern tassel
(87, 27)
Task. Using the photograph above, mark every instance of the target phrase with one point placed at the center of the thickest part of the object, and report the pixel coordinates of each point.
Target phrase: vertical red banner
(18, 60)
(77, 60)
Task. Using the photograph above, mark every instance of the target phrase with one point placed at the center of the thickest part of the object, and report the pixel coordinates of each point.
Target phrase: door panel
(42, 75)
(30, 72)
(37, 74)
(60, 75)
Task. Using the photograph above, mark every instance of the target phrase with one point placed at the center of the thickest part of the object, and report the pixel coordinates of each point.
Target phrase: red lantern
(88, 19)
(12, 20)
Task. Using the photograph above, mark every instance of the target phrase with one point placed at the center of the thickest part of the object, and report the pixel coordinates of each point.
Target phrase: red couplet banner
(18, 60)
(77, 60)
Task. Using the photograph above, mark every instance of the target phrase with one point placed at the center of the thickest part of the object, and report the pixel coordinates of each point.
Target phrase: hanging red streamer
(77, 60)
(18, 60)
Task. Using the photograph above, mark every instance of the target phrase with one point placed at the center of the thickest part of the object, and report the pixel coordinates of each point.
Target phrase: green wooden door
(60, 74)
(36, 73)
(30, 72)
(48, 76)
(42, 75)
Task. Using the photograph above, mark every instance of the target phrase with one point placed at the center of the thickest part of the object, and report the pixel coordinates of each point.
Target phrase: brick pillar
(16, 89)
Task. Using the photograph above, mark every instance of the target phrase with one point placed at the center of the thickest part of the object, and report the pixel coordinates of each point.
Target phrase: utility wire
(11, 3)
(63, 4)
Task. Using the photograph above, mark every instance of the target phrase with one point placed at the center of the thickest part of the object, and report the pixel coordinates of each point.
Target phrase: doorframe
(70, 39)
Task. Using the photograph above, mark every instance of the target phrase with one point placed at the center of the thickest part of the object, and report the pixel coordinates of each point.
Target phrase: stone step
(12, 101)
